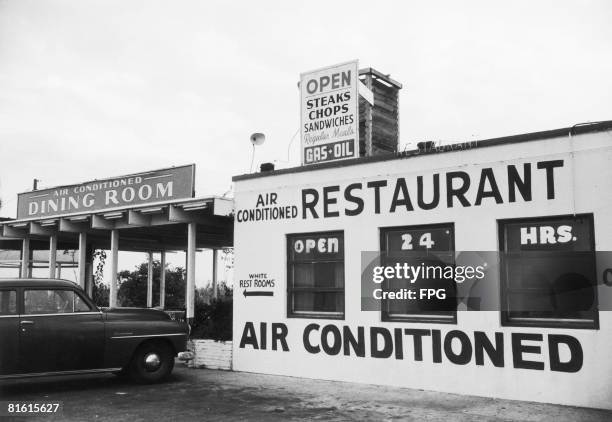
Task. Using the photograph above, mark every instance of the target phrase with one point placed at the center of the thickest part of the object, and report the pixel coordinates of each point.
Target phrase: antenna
(256, 139)
(288, 147)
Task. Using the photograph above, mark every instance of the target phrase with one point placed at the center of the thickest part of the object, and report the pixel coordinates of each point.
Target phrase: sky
(94, 89)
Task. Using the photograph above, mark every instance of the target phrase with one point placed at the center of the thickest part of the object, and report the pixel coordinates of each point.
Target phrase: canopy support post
(191, 252)
(215, 287)
(52, 255)
(150, 281)
(114, 268)
(82, 259)
(25, 258)
(162, 281)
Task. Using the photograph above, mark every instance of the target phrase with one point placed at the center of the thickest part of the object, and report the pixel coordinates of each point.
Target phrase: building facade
(537, 210)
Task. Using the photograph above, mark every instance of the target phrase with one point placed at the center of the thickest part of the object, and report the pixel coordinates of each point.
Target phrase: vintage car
(51, 327)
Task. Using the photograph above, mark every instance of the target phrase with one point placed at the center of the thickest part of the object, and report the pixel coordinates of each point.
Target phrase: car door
(9, 331)
(59, 331)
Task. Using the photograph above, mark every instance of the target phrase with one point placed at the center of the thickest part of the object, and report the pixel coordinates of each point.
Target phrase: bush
(213, 319)
(133, 286)
(100, 294)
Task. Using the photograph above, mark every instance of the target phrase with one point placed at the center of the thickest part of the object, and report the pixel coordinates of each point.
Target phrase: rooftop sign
(330, 113)
(117, 192)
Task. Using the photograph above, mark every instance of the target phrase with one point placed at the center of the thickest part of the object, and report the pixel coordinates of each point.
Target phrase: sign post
(329, 103)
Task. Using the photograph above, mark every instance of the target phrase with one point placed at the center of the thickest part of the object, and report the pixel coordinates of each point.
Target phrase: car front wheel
(152, 362)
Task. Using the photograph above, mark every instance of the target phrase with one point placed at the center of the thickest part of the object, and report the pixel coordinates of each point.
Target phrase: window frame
(290, 289)
(540, 322)
(414, 318)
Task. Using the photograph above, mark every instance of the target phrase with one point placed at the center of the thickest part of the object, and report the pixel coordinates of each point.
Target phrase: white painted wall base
(211, 354)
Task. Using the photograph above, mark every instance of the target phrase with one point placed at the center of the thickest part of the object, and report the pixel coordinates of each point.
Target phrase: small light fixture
(256, 139)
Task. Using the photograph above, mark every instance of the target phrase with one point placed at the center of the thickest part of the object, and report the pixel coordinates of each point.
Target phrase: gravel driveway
(199, 394)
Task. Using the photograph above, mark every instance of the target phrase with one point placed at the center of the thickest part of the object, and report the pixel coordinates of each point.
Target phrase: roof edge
(135, 207)
(577, 129)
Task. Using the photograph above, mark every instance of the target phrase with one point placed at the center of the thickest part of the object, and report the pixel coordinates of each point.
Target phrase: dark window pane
(535, 302)
(430, 247)
(549, 269)
(318, 302)
(39, 302)
(316, 273)
(8, 302)
(52, 302)
(80, 305)
(303, 275)
(329, 274)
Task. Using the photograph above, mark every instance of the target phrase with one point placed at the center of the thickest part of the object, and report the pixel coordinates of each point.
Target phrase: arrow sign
(258, 293)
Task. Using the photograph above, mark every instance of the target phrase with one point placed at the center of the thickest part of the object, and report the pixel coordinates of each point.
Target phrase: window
(8, 302)
(53, 302)
(80, 305)
(548, 272)
(431, 246)
(315, 275)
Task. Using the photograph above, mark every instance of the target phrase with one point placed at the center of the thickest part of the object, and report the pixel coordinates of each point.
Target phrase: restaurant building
(532, 214)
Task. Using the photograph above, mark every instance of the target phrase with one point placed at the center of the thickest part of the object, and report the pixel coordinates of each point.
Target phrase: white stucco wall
(582, 185)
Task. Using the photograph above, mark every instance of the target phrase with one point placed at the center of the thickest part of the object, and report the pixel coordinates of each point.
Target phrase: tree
(227, 256)
(133, 286)
(100, 292)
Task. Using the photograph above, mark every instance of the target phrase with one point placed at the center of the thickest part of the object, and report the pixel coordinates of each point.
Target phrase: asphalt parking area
(199, 394)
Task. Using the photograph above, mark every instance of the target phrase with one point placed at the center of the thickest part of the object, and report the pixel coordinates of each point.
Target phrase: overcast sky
(93, 89)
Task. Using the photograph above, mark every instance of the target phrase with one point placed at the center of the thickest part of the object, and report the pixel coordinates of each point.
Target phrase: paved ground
(199, 394)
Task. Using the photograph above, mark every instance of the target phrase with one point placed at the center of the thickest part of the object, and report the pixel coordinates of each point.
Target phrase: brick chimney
(379, 124)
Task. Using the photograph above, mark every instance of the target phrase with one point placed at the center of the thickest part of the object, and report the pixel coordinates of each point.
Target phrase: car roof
(36, 282)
